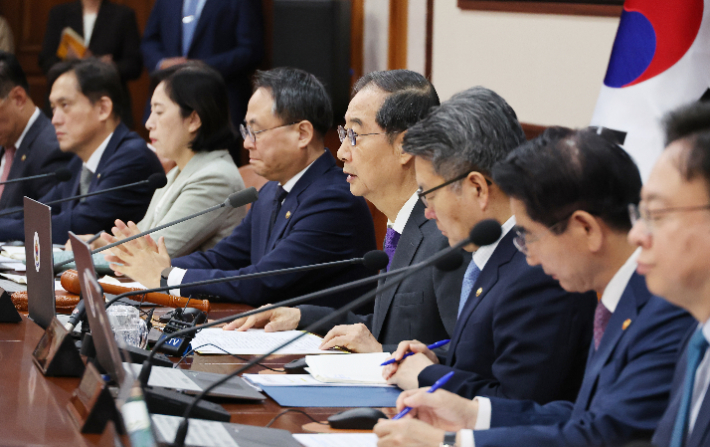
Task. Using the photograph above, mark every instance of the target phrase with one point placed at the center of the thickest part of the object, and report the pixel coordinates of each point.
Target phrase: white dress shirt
(403, 215)
(610, 299)
(177, 274)
(93, 162)
(32, 120)
(89, 22)
(483, 254)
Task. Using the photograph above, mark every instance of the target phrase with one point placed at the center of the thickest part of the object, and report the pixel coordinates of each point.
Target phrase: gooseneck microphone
(61, 175)
(235, 200)
(485, 233)
(155, 181)
(374, 260)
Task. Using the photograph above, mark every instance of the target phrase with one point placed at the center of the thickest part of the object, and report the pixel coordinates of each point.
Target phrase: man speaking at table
(305, 214)
(86, 103)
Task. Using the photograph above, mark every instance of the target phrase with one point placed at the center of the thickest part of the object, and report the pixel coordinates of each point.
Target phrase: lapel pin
(626, 324)
(479, 292)
(98, 175)
(24, 157)
(288, 214)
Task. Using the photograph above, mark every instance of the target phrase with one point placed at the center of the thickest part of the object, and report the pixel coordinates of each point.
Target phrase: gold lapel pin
(24, 157)
(626, 324)
(479, 291)
(288, 214)
(98, 175)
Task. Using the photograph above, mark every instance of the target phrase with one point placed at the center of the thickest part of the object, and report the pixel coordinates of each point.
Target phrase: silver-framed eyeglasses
(641, 213)
(248, 132)
(351, 135)
(523, 237)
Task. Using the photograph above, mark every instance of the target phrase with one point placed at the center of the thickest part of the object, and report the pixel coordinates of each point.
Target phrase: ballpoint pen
(438, 344)
(438, 384)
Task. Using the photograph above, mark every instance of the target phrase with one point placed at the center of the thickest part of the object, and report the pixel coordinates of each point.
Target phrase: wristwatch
(449, 439)
(164, 276)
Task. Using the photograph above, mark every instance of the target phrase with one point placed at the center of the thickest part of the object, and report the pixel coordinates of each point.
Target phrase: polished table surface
(33, 407)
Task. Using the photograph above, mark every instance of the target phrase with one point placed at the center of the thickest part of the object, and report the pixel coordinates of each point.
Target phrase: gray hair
(472, 131)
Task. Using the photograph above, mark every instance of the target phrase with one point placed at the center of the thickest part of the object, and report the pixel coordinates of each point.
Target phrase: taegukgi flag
(660, 60)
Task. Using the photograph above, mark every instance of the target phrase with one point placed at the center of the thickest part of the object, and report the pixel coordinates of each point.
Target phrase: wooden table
(33, 407)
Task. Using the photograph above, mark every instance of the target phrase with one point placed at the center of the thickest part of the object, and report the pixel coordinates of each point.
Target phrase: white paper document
(351, 368)
(337, 440)
(15, 278)
(256, 342)
(13, 265)
(166, 377)
(296, 380)
(199, 432)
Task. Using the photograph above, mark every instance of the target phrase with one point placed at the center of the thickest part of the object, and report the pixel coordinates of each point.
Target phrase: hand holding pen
(438, 344)
(438, 384)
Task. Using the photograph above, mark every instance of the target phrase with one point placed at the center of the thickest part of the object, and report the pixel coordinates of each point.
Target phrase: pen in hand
(438, 344)
(438, 384)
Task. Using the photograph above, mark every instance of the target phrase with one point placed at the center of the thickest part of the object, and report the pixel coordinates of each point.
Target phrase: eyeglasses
(352, 135)
(248, 132)
(422, 194)
(523, 238)
(641, 213)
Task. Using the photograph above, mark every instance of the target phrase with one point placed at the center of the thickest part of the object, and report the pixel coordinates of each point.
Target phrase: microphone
(155, 181)
(61, 175)
(451, 262)
(235, 200)
(484, 233)
(375, 260)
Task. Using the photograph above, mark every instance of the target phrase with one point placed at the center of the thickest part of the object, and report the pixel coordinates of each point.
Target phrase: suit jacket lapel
(701, 429)
(210, 9)
(75, 20)
(24, 149)
(407, 247)
(503, 253)
(102, 17)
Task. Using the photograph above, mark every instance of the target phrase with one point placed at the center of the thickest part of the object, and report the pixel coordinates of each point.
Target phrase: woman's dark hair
(566, 170)
(195, 87)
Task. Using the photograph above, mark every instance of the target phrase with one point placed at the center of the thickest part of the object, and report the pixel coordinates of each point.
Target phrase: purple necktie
(391, 241)
(601, 319)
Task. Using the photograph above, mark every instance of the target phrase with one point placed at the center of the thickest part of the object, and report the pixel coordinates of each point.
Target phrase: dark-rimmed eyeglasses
(641, 213)
(351, 135)
(248, 132)
(422, 194)
(523, 237)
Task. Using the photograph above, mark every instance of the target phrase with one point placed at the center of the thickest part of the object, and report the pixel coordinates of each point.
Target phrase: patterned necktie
(696, 350)
(189, 23)
(85, 181)
(280, 196)
(601, 320)
(390, 245)
(9, 157)
(469, 279)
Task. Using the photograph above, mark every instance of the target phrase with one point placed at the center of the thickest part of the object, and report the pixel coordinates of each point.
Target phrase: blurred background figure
(110, 33)
(7, 41)
(225, 34)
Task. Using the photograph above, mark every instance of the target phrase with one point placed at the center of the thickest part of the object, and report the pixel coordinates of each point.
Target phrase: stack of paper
(297, 380)
(255, 342)
(338, 440)
(351, 368)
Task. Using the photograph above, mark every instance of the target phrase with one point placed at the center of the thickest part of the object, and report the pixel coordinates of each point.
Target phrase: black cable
(293, 410)
(244, 359)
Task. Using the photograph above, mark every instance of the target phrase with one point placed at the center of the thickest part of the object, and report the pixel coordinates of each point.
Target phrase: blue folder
(333, 396)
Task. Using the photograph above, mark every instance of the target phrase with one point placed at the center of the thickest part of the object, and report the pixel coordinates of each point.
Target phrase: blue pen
(438, 344)
(438, 384)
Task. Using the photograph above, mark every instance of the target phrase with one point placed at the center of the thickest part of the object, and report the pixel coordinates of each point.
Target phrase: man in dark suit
(570, 192)
(305, 214)
(384, 105)
(671, 227)
(85, 97)
(27, 139)
(511, 317)
(114, 38)
(227, 35)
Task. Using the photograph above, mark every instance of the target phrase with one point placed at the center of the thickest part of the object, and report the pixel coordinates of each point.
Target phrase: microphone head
(157, 180)
(243, 197)
(62, 175)
(450, 262)
(375, 260)
(485, 232)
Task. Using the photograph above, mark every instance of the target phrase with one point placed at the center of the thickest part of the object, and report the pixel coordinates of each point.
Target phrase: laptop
(40, 264)
(108, 356)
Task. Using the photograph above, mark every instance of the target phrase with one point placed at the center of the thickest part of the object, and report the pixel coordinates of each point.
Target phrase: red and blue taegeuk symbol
(653, 35)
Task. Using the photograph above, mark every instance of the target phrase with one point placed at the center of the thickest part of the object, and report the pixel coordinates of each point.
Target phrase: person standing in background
(7, 41)
(110, 33)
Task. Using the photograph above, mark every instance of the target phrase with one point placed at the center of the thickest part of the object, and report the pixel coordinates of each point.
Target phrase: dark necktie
(280, 196)
(9, 156)
(601, 320)
(390, 245)
(696, 350)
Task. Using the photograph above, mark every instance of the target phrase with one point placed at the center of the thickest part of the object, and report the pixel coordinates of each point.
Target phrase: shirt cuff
(483, 421)
(175, 279)
(466, 438)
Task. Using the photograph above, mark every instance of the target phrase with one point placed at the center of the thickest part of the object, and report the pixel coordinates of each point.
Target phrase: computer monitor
(40, 264)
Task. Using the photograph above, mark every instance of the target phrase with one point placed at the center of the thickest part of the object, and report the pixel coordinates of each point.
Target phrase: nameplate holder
(56, 354)
(8, 312)
(91, 405)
